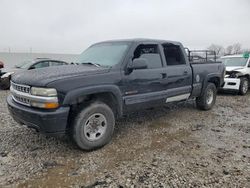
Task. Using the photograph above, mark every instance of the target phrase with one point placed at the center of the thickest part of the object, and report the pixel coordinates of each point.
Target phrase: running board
(178, 98)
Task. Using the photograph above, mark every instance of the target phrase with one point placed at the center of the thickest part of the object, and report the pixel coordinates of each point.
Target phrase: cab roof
(141, 40)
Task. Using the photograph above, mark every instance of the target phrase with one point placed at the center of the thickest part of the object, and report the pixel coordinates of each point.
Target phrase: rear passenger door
(144, 86)
(179, 73)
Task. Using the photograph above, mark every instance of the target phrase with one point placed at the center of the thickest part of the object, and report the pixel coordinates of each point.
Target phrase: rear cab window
(173, 55)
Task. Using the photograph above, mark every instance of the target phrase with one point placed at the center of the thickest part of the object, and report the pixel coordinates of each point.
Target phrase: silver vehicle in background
(27, 65)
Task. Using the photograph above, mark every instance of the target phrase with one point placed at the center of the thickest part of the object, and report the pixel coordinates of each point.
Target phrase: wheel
(93, 126)
(5, 83)
(244, 84)
(207, 100)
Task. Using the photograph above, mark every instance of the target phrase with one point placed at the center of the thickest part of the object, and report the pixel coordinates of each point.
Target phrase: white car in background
(237, 76)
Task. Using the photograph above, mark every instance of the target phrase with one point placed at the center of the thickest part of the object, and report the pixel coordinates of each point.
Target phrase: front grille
(21, 100)
(21, 88)
(19, 93)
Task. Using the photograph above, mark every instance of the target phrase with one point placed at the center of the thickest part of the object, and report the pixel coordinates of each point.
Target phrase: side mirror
(139, 63)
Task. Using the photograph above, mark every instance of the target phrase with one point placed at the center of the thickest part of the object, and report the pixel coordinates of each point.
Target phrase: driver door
(145, 87)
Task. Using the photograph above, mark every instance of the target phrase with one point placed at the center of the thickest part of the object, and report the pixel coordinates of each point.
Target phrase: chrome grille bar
(21, 88)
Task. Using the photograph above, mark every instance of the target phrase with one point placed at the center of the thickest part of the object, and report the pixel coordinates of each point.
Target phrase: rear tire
(93, 126)
(244, 84)
(208, 98)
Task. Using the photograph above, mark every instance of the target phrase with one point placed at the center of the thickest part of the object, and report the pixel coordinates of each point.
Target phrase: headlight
(45, 92)
(44, 98)
(235, 75)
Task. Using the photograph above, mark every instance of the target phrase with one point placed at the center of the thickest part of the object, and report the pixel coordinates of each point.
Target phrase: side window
(56, 63)
(173, 55)
(151, 53)
(40, 65)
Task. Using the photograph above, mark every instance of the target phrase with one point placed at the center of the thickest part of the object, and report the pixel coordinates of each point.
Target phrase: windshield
(106, 54)
(234, 61)
(24, 65)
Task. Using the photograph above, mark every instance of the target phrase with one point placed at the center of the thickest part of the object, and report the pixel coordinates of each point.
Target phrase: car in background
(237, 76)
(1, 66)
(28, 65)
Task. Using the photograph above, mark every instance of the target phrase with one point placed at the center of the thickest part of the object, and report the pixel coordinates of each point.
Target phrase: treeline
(229, 50)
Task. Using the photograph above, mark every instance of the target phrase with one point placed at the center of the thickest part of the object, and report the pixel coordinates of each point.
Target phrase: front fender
(71, 96)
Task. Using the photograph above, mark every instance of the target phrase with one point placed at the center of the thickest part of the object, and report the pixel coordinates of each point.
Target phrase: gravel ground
(175, 146)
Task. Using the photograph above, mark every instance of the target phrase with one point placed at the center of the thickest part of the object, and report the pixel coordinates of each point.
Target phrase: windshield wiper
(90, 63)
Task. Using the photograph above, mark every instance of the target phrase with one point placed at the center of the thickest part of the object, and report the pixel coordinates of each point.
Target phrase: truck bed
(201, 72)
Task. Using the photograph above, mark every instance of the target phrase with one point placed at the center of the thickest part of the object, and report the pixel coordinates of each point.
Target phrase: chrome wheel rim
(95, 127)
(245, 86)
(210, 96)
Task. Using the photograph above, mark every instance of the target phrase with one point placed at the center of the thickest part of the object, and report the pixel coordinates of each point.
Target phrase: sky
(70, 26)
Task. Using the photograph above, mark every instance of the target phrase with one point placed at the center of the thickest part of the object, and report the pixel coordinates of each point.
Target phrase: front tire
(244, 85)
(208, 98)
(93, 126)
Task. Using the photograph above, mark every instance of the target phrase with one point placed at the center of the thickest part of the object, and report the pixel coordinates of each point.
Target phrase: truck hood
(234, 68)
(43, 76)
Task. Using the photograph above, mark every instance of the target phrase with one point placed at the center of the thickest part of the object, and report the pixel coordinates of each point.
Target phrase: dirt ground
(175, 146)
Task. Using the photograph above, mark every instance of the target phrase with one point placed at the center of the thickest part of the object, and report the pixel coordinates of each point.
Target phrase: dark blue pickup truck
(111, 78)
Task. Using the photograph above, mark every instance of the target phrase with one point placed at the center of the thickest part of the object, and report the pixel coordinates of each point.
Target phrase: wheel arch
(212, 78)
(245, 75)
(215, 80)
(108, 94)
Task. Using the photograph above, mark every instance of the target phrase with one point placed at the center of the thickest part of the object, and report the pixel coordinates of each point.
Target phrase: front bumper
(48, 122)
(231, 84)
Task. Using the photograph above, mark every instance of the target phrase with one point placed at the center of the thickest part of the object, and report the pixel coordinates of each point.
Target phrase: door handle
(164, 75)
(185, 72)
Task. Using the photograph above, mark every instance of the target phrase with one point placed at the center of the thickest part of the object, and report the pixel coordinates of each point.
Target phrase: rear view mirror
(139, 63)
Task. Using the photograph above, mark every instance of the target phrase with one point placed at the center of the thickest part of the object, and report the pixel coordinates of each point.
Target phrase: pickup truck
(112, 78)
(237, 76)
